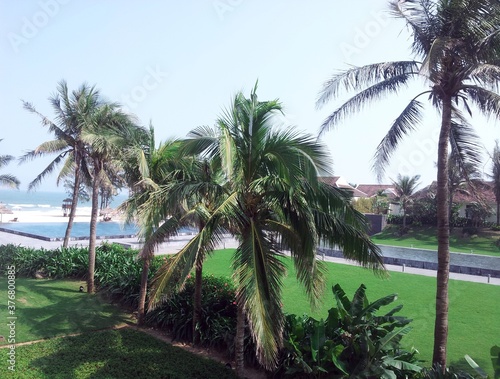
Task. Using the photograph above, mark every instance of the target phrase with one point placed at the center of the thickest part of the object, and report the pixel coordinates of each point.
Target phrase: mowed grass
(425, 237)
(123, 353)
(474, 318)
(49, 308)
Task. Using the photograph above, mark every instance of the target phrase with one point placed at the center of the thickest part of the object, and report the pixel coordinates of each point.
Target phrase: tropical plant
(495, 176)
(7, 179)
(405, 188)
(71, 109)
(149, 169)
(456, 45)
(83, 195)
(272, 201)
(110, 135)
(353, 342)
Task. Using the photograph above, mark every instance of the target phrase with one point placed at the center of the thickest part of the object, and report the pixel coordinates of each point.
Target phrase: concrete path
(178, 242)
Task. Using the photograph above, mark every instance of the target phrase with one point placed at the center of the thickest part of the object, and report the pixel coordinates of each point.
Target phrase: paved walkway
(178, 242)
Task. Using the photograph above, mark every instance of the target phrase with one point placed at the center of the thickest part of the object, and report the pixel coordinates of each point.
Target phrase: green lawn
(474, 307)
(124, 353)
(48, 308)
(425, 238)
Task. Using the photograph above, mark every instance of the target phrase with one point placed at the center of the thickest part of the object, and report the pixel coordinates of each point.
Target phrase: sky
(178, 64)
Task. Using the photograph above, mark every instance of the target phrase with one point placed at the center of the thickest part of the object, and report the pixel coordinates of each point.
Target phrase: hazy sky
(178, 64)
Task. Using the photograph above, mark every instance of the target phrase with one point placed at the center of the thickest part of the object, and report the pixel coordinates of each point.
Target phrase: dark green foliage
(351, 343)
(123, 353)
(436, 372)
(218, 321)
(117, 271)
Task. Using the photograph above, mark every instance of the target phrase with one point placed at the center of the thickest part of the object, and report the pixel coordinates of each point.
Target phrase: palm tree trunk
(93, 227)
(141, 311)
(197, 311)
(239, 342)
(441, 322)
(74, 203)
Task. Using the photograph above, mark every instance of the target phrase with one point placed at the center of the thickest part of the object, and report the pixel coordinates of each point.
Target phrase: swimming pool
(54, 231)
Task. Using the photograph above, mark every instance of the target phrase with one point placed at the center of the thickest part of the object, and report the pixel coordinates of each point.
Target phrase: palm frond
(258, 272)
(362, 98)
(405, 123)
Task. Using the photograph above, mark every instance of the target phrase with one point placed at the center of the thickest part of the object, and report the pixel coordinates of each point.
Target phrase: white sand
(82, 215)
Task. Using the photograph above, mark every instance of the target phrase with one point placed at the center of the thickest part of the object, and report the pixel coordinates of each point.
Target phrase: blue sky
(178, 64)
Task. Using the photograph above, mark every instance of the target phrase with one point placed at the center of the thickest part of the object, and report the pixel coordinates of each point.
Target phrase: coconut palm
(495, 176)
(405, 187)
(272, 202)
(7, 179)
(70, 151)
(109, 134)
(150, 169)
(456, 45)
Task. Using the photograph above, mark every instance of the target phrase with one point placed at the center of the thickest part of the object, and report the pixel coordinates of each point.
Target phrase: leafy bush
(496, 228)
(351, 342)
(218, 322)
(117, 270)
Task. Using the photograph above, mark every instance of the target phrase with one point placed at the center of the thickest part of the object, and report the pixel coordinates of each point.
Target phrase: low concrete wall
(471, 264)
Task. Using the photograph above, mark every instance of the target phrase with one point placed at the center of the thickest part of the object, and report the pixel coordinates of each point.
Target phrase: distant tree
(363, 205)
(405, 187)
(83, 194)
(495, 176)
(381, 202)
(109, 134)
(7, 179)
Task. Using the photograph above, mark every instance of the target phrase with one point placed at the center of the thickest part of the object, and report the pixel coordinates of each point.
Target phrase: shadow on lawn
(65, 311)
(123, 353)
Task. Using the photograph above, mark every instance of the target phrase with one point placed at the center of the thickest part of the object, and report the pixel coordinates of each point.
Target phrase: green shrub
(218, 322)
(351, 342)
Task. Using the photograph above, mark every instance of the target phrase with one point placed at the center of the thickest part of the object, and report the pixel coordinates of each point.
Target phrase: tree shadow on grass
(123, 353)
(52, 308)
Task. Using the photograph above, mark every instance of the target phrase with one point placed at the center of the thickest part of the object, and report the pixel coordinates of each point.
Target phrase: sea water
(43, 201)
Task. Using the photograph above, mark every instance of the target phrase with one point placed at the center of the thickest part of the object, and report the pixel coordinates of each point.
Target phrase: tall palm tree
(71, 152)
(456, 44)
(495, 176)
(7, 179)
(109, 134)
(405, 187)
(152, 168)
(272, 202)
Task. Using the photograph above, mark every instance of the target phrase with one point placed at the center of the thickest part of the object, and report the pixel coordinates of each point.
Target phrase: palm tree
(7, 179)
(70, 111)
(405, 187)
(272, 202)
(495, 176)
(152, 168)
(109, 134)
(456, 44)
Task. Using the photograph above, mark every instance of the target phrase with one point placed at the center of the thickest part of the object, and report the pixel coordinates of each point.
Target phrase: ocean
(43, 201)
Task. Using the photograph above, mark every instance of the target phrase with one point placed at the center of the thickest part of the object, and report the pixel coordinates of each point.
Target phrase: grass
(123, 353)
(49, 308)
(474, 307)
(424, 237)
